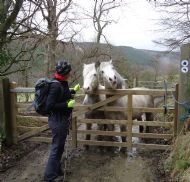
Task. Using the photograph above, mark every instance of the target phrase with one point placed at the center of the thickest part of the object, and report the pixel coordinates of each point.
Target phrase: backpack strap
(56, 81)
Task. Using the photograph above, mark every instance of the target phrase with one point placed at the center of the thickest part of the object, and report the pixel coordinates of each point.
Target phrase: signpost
(184, 85)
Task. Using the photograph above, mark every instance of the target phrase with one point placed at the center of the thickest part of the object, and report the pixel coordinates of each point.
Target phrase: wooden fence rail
(153, 84)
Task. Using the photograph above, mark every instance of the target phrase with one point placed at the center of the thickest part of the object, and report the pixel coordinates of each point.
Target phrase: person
(60, 104)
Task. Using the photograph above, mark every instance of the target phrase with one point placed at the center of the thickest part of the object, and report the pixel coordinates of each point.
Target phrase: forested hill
(145, 57)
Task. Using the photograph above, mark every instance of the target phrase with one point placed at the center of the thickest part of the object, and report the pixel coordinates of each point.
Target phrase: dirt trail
(96, 167)
(91, 166)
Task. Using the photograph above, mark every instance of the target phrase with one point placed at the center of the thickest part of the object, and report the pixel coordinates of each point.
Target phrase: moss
(182, 164)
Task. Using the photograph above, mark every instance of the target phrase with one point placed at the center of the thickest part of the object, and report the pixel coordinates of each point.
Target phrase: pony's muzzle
(113, 81)
(86, 89)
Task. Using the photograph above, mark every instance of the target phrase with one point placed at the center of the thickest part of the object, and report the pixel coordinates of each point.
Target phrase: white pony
(113, 80)
(90, 84)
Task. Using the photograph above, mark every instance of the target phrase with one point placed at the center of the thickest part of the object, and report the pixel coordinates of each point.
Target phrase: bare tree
(55, 13)
(28, 25)
(101, 19)
(175, 22)
(100, 15)
(13, 25)
(8, 13)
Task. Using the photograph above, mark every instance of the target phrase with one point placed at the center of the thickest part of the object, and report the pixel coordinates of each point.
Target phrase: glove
(71, 103)
(76, 87)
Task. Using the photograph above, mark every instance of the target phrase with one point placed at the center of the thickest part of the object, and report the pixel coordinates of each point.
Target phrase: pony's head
(110, 76)
(90, 77)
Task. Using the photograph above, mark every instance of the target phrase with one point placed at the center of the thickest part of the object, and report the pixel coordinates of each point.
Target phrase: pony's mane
(121, 81)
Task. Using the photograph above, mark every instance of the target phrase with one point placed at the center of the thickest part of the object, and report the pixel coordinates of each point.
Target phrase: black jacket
(57, 100)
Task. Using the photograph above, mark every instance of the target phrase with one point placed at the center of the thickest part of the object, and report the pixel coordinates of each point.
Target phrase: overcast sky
(136, 26)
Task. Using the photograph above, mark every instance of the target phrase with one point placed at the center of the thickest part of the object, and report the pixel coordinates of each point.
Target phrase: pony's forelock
(89, 79)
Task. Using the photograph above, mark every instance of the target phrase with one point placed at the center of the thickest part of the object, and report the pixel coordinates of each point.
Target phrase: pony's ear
(97, 64)
(111, 61)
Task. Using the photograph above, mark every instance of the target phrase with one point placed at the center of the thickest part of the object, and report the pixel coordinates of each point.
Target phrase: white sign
(184, 69)
(184, 63)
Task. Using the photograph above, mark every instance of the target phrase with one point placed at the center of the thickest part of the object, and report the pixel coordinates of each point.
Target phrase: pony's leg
(117, 129)
(142, 128)
(110, 127)
(144, 119)
(105, 128)
(123, 128)
(88, 127)
(149, 117)
(101, 128)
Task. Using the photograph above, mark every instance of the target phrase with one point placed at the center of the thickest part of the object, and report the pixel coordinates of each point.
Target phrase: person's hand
(76, 87)
(71, 103)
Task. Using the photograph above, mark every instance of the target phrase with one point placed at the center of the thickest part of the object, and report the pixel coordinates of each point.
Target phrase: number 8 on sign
(184, 69)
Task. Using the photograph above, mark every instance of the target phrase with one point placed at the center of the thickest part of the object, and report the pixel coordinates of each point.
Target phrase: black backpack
(41, 93)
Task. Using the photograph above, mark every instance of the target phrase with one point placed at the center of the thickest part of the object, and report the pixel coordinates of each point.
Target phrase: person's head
(63, 68)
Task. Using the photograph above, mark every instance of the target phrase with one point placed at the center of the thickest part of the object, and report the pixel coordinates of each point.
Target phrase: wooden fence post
(130, 123)
(184, 84)
(5, 113)
(3, 118)
(13, 113)
(74, 132)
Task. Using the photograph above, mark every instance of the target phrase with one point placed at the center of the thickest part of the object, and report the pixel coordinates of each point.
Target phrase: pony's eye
(94, 74)
(114, 77)
(102, 72)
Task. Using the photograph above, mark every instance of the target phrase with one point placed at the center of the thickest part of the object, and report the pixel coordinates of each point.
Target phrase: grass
(178, 162)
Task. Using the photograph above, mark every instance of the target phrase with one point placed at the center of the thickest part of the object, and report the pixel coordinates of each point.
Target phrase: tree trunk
(52, 42)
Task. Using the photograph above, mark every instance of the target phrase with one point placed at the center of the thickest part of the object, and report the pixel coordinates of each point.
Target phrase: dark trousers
(59, 135)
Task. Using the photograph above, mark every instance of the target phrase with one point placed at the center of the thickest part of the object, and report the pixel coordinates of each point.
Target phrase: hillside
(146, 57)
(135, 55)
